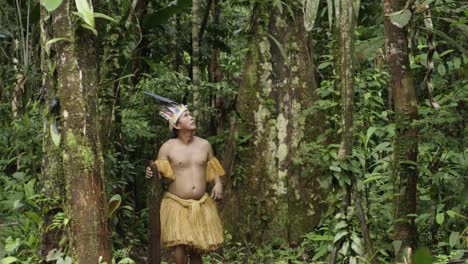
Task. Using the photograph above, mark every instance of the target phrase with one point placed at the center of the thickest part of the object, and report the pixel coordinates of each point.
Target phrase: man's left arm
(217, 192)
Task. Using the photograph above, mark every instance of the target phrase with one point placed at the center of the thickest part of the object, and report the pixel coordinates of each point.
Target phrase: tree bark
(273, 196)
(154, 204)
(77, 79)
(53, 179)
(196, 56)
(345, 26)
(405, 148)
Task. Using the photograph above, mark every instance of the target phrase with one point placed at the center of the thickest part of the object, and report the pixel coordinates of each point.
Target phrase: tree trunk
(196, 56)
(346, 15)
(53, 179)
(77, 79)
(154, 204)
(273, 196)
(405, 149)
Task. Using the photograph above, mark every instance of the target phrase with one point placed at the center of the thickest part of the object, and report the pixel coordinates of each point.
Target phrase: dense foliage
(148, 48)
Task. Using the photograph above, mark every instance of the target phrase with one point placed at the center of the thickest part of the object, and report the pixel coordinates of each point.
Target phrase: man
(189, 220)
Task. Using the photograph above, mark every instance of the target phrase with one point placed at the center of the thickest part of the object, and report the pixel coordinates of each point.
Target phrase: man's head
(185, 122)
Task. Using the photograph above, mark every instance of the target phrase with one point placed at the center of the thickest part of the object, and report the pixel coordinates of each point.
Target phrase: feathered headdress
(169, 110)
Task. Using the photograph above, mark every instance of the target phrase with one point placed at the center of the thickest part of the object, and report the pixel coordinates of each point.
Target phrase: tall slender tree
(273, 196)
(77, 81)
(196, 56)
(406, 143)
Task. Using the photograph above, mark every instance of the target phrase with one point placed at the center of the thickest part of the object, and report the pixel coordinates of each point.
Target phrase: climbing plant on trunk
(406, 140)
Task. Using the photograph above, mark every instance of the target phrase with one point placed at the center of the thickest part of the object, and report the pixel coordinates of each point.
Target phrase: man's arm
(217, 192)
(163, 154)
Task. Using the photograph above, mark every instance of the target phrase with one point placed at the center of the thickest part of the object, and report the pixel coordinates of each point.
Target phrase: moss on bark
(278, 85)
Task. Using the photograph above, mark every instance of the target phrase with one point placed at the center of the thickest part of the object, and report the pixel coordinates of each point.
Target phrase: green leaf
(441, 69)
(101, 15)
(400, 18)
(374, 178)
(9, 260)
(396, 246)
(280, 47)
(440, 218)
(422, 256)
(453, 239)
(341, 225)
(323, 65)
(335, 168)
(29, 188)
(54, 134)
(339, 235)
(51, 5)
(52, 41)
(330, 14)
(90, 28)
(114, 204)
(85, 12)
(310, 13)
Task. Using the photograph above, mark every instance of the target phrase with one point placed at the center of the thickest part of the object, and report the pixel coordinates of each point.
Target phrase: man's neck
(185, 136)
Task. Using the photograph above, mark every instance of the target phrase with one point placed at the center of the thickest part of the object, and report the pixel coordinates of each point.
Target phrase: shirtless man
(189, 220)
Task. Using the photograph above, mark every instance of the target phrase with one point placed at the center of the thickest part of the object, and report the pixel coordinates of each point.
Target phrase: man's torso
(188, 162)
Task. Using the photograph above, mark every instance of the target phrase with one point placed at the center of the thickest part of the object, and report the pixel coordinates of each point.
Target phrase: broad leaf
(85, 12)
(54, 134)
(340, 235)
(400, 18)
(51, 5)
(440, 218)
(310, 13)
(453, 239)
(114, 204)
(9, 260)
(101, 15)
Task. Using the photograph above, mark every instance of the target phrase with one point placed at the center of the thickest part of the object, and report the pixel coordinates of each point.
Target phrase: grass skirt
(194, 223)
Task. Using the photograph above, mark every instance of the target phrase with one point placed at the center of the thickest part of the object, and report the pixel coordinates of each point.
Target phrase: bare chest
(188, 158)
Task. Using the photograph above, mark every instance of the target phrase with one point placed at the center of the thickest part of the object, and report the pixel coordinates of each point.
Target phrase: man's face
(186, 122)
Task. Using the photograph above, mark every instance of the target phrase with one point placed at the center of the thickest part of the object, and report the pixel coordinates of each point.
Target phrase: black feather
(160, 99)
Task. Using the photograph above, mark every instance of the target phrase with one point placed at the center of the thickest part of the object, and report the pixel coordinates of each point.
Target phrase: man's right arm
(162, 155)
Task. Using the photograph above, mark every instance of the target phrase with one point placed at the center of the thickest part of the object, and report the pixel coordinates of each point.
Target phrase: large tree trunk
(77, 79)
(53, 179)
(273, 196)
(405, 150)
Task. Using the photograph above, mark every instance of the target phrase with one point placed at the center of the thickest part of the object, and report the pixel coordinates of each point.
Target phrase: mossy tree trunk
(77, 80)
(271, 194)
(53, 179)
(406, 144)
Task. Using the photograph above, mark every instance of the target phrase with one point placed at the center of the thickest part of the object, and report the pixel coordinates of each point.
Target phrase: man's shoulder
(202, 141)
(168, 143)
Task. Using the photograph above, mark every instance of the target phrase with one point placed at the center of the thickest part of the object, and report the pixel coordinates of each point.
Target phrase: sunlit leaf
(9, 260)
(453, 239)
(440, 218)
(339, 235)
(101, 15)
(51, 5)
(310, 13)
(400, 18)
(85, 12)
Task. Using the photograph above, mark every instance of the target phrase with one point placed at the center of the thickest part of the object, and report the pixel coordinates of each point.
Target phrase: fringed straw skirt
(194, 223)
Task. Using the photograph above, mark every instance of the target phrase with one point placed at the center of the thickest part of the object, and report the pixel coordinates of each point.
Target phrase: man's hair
(174, 130)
